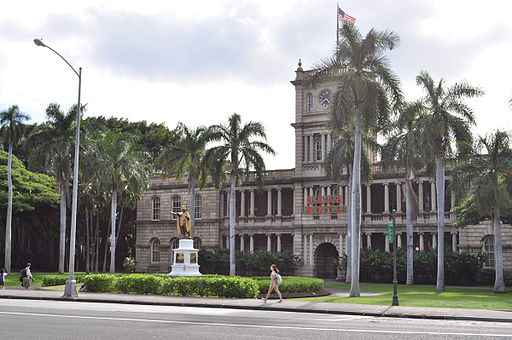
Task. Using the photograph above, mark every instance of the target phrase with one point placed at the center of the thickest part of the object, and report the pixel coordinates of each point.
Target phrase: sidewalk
(288, 306)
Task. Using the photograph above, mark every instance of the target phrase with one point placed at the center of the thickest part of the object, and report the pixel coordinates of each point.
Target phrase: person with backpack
(275, 281)
(26, 277)
(2, 278)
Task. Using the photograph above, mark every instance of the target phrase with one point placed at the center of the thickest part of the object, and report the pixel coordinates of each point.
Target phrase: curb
(266, 307)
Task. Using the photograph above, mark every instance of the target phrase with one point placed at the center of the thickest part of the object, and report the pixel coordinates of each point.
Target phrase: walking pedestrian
(3, 273)
(27, 276)
(275, 281)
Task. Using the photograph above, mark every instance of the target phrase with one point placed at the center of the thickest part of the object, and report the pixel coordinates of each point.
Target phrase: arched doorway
(325, 254)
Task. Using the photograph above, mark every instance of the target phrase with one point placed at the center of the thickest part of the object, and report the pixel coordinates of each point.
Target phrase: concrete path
(290, 306)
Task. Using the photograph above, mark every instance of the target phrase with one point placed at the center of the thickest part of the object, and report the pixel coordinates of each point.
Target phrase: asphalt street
(32, 319)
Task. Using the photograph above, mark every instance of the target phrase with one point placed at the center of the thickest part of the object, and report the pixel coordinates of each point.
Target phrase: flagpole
(337, 26)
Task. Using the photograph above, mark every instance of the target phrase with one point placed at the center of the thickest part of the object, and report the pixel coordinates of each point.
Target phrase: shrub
(129, 264)
(55, 280)
(99, 283)
(221, 286)
(138, 284)
(290, 284)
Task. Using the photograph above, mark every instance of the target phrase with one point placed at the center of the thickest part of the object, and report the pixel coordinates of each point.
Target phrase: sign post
(392, 239)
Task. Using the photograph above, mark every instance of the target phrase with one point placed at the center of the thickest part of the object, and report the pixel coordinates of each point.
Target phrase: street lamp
(70, 289)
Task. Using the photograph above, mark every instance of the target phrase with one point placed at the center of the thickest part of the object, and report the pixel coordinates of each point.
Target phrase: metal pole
(395, 295)
(70, 288)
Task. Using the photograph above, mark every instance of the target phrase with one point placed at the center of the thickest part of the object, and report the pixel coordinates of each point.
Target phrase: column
(279, 202)
(420, 196)
(305, 145)
(242, 203)
(251, 243)
(329, 190)
(386, 244)
(422, 242)
(399, 240)
(329, 142)
(340, 250)
(347, 195)
(322, 139)
(312, 149)
(269, 243)
(227, 241)
(305, 196)
(269, 202)
(398, 197)
(369, 241)
(433, 199)
(434, 240)
(242, 242)
(311, 192)
(278, 243)
(305, 249)
(452, 200)
(360, 240)
(386, 198)
(311, 249)
(251, 212)
(346, 242)
(369, 199)
(454, 241)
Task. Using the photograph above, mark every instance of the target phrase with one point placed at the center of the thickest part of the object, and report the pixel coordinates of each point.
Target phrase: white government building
(275, 219)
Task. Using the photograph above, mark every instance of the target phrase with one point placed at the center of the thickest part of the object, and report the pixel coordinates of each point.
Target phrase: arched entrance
(325, 254)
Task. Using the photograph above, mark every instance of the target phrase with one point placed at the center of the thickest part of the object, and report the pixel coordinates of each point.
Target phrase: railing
(272, 220)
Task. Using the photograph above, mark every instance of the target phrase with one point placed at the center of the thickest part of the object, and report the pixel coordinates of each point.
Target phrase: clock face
(325, 98)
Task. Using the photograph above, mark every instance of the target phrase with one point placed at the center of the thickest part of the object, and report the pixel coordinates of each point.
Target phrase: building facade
(277, 219)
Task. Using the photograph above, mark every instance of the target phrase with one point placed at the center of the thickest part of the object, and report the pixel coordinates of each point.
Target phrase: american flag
(344, 17)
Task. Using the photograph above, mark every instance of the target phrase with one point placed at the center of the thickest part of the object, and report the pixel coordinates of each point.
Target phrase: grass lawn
(60, 287)
(423, 296)
(13, 279)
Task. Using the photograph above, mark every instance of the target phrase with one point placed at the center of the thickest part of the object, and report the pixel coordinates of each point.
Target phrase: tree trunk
(87, 241)
(62, 244)
(499, 284)
(106, 248)
(440, 221)
(97, 242)
(409, 233)
(349, 226)
(8, 224)
(355, 208)
(192, 209)
(119, 223)
(232, 212)
(113, 233)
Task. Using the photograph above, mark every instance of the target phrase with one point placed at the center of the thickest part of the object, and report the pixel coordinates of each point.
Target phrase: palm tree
(447, 118)
(52, 148)
(403, 150)
(338, 166)
(185, 157)
(12, 118)
(121, 163)
(238, 152)
(484, 173)
(364, 83)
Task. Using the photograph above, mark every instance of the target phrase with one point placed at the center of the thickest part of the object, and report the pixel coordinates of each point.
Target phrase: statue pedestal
(185, 260)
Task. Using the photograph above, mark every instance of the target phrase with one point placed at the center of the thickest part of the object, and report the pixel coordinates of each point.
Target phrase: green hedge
(290, 284)
(221, 286)
(55, 280)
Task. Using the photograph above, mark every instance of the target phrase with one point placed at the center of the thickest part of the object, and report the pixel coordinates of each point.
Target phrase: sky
(197, 62)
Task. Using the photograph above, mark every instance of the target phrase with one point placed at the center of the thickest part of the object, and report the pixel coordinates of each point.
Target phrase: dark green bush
(138, 284)
(56, 280)
(99, 283)
(220, 286)
(247, 264)
(290, 284)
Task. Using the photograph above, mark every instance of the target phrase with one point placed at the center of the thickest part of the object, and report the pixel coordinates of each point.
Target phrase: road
(35, 319)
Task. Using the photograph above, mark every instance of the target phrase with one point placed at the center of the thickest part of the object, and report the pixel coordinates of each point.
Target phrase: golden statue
(183, 222)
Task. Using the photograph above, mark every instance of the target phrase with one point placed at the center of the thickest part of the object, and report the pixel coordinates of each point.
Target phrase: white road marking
(255, 326)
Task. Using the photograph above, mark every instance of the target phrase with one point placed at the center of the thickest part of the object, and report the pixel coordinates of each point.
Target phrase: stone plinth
(185, 260)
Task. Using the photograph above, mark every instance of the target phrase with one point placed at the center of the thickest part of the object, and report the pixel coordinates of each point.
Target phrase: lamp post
(70, 289)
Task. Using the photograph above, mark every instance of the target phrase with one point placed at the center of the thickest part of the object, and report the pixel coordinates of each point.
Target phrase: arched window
(199, 207)
(318, 149)
(175, 206)
(155, 205)
(197, 243)
(175, 243)
(155, 250)
(488, 248)
(309, 103)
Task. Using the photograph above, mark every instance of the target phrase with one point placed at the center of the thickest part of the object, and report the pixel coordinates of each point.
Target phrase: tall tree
(403, 151)
(185, 158)
(13, 119)
(338, 166)
(484, 174)
(52, 148)
(121, 163)
(447, 118)
(238, 152)
(365, 82)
